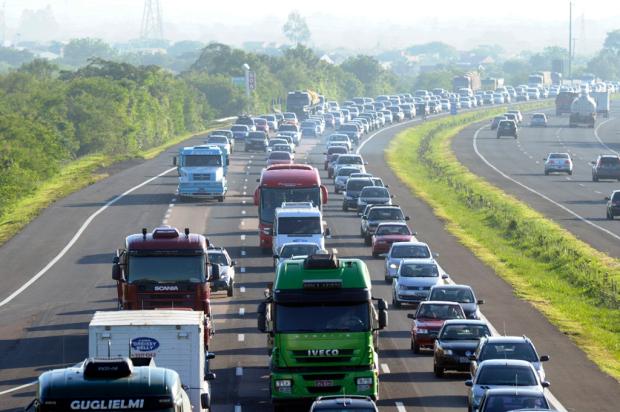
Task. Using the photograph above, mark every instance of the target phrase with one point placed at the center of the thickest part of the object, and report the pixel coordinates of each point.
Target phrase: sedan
(613, 204)
(373, 196)
(538, 120)
(514, 399)
(414, 280)
(279, 158)
(457, 340)
(498, 373)
(429, 319)
(388, 233)
(404, 250)
(461, 294)
(558, 162)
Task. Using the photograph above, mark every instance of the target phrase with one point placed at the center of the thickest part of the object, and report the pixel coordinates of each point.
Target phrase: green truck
(322, 330)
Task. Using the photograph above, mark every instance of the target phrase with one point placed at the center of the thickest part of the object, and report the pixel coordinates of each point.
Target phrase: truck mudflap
(287, 386)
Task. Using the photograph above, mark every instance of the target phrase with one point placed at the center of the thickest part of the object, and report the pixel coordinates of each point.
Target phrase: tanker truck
(582, 111)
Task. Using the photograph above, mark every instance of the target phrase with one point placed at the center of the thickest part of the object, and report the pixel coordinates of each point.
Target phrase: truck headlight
(284, 385)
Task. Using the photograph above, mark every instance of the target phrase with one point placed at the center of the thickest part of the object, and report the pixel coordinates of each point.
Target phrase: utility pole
(570, 41)
(152, 21)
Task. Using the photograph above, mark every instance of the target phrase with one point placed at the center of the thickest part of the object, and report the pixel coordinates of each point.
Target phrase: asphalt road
(46, 325)
(575, 202)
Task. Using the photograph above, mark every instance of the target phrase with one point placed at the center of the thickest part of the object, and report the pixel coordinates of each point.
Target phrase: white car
(220, 141)
(404, 250)
(296, 250)
(415, 278)
(339, 138)
(558, 162)
(226, 278)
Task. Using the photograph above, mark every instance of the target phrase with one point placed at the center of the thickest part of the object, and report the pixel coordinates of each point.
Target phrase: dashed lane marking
(238, 371)
(243, 212)
(242, 289)
(385, 368)
(242, 270)
(17, 388)
(242, 237)
(241, 337)
(243, 253)
(400, 407)
(237, 408)
(241, 311)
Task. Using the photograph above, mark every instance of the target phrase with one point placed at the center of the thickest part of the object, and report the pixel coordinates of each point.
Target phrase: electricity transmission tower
(152, 22)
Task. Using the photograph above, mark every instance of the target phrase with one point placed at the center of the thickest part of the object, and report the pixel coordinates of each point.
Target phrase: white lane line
(245, 188)
(243, 212)
(245, 180)
(238, 371)
(242, 237)
(17, 388)
(598, 193)
(242, 289)
(241, 311)
(241, 337)
(599, 139)
(245, 193)
(242, 222)
(529, 189)
(581, 184)
(237, 408)
(242, 270)
(400, 407)
(243, 253)
(77, 235)
(361, 146)
(164, 222)
(171, 205)
(385, 368)
(244, 202)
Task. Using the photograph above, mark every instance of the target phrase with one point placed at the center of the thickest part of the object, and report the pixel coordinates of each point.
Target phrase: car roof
(447, 303)
(418, 260)
(466, 322)
(411, 243)
(508, 339)
(510, 390)
(392, 223)
(340, 401)
(452, 287)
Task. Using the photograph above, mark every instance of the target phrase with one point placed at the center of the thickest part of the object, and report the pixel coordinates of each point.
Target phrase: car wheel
(368, 240)
(220, 199)
(570, 172)
(375, 255)
(345, 207)
(546, 173)
(387, 279)
(415, 347)
(595, 178)
(438, 371)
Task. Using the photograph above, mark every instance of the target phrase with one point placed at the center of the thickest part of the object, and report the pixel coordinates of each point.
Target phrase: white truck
(602, 102)
(298, 222)
(174, 339)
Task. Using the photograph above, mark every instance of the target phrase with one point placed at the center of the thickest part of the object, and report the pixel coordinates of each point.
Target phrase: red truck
(165, 269)
(285, 183)
(563, 102)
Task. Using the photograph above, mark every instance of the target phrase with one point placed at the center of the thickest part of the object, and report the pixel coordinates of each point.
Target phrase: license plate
(323, 383)
(463, 359)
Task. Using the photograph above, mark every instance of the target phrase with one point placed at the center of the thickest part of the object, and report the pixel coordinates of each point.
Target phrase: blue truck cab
(202, 172)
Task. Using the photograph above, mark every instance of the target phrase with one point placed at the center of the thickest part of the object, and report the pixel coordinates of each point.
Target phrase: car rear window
(347, 171)
(507, 350)
(375, 192)
(280, 156)
(393, 230)
(386, 214)
(506, 375)
(350, 160)
(358, 184)
(610, 161)
(410, 251)
(558, 156)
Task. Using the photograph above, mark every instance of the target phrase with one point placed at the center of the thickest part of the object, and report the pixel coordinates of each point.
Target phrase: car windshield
(464, 332)
(538, 117)
(274, 142)
(218, 258)
(309, 225)
(157, 268)
(350, 160)
(271, 198)
(257, 135)
(288, 128)
(202, 160)
(460, 295)
(347, 171)
(239, 128)
(298, 250)
(419, 270)
(261, 122)
(217, 139)
(337, 149)
(338, 139)
(357, 185)
(558, 156)
(280, 155)
(509, 402)
(410, 251)
(375, 192)
(386, 214)
(506, 375)
(349, 128)
(439, 311)
(504, 350)
(308, 124)
(323, 317)
(385, 230)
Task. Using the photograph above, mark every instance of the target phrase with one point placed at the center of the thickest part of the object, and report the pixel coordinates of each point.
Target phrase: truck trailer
(173, 339)
(323, 330)
(470, 80)
(602, 102)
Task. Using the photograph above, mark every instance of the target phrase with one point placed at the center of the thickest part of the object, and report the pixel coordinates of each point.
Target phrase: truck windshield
(309, 225)
(271, 198)
(166, 268)
(202, 160)
(323, 318)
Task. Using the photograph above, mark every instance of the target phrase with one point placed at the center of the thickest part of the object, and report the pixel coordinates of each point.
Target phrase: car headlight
(393, 265)
(448, 352)
(422, 331)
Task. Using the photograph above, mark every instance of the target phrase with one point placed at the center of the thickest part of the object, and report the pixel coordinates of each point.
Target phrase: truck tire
(220, 198)
(231, 290)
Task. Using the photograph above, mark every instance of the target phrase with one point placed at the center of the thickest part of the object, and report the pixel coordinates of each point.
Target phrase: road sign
(238, 81)
(252, 80)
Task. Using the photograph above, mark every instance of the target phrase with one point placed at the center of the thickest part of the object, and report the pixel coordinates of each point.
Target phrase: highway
(575, 202)
(45, 326)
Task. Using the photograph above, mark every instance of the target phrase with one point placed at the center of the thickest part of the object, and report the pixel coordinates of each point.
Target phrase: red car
(279, 158)
(429, 319)
(388, 233)
(261, 124)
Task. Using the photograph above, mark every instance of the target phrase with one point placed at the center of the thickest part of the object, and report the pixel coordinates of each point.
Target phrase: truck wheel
(595, 178)
(220, 199)
(375, 255)
(231, 290)
(438, 371)
(608, 216)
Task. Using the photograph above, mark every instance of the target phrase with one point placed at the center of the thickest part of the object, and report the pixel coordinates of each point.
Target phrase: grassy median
(74, 176)
(567, 280)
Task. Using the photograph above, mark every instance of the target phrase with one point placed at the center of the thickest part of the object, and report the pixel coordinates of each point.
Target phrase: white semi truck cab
(298, 222)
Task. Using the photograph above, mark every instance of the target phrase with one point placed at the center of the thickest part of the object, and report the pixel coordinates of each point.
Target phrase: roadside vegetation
(566, 279)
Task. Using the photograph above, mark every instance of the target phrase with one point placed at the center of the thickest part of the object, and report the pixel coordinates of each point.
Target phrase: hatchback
(558, 162)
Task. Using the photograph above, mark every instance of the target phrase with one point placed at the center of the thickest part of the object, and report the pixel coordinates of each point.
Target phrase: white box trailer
(602, 102)
(173, 338)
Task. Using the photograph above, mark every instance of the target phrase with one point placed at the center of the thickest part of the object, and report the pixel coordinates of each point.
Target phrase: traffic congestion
(322, 321)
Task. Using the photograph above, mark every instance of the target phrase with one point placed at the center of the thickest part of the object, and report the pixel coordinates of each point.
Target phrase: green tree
(296, 29)
(612, 41)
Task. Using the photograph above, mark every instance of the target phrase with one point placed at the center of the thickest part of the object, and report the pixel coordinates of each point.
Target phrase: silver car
(404, 250)
(373, 196)
(415, 279)
(538, 120)
(558, 162)
(340, 180)
(499, 373)
(295, 249)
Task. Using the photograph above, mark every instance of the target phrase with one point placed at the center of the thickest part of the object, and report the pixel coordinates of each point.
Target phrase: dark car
(342, 403)
(613, 204)
(352, 130)
(377, 214)
(353, 190)
(240, 132)
(606, 167)
(513, 399)
(256, 141)
(429, 319)
(333, 150)
(462, 294)
(507, 128)
(248, 121)
(456, 342)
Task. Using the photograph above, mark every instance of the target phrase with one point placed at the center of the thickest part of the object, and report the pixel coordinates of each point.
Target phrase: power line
(152, 20)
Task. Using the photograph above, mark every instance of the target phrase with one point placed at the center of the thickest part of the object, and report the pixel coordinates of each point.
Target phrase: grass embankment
(74, 176)
(566, 279)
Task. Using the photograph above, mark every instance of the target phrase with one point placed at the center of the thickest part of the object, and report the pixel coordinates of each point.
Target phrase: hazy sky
(523, 20)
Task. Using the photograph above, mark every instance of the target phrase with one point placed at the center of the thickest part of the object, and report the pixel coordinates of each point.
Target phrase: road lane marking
(243, 212)
(372, 136)
(170, 206)
(599, 139)
(242, 237)
(400, 407)
(77, 235)
(241, 337)
(534, 191)
(385, 368)
(242, 289)
(243, 270)
(598, 193)
(243, 253)
(237, 408)
(241, 311)
(238, 371)
(17, 388)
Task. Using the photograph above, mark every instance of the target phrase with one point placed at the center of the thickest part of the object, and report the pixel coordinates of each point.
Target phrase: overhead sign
(238, 81)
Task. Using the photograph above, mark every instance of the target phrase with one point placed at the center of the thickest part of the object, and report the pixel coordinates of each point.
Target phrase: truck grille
(165, 300)
(344, 355)
(201, 176)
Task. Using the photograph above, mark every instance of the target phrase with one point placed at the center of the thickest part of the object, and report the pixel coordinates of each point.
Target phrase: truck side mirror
(209, 355)
(174, 161)
(383, 319)
(323, 194)
(117, 272)
(256, 196)
(262, 317)
(210, 376)
(381, 304)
